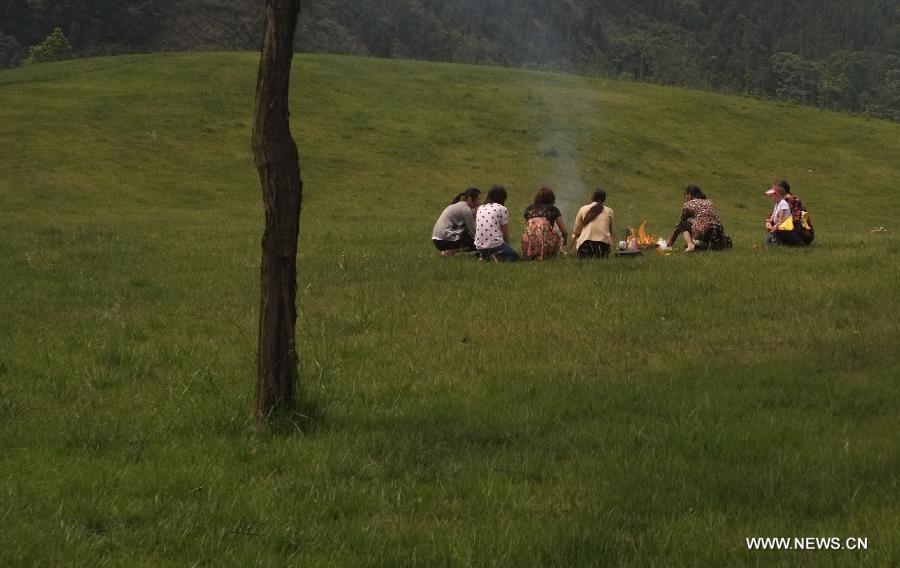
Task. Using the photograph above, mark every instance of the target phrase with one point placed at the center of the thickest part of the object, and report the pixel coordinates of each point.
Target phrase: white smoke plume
(562, 134)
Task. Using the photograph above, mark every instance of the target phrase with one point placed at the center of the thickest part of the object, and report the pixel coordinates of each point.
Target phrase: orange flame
(644, 239)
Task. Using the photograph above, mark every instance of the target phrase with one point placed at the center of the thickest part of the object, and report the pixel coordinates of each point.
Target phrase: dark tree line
(92, 26)
(828, 53)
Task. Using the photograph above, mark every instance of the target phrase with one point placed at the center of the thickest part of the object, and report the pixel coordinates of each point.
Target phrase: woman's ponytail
(470, 193)
(600, 198)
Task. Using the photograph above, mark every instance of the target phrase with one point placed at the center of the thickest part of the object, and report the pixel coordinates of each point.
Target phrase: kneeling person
(455, 229)
(699, 223)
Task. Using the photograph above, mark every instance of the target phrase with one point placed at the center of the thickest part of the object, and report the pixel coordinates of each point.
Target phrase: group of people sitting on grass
(468, 225)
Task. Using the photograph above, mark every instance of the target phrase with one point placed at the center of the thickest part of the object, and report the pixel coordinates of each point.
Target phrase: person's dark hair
(470, 193)
(545, 196)
(497, 194)
(599, 197)
(783, 184)
(695, 192)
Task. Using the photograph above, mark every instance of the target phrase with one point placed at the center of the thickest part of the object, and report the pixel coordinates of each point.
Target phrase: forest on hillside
(828, 53)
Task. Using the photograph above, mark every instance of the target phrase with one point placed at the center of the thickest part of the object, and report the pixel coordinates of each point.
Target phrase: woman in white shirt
(779, 233)
(492, 228)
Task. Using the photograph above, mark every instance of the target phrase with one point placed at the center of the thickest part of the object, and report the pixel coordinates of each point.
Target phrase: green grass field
(645, 412)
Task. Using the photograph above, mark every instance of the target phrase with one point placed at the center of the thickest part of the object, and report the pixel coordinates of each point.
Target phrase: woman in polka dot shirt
(492, 228)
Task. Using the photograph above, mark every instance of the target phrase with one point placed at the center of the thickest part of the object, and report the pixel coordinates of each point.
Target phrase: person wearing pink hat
(802, 223)
(780, 224)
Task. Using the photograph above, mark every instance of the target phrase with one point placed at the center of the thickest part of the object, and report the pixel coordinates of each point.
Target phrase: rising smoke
(563, 137)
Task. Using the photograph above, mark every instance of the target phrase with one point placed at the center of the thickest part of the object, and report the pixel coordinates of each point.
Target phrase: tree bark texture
(279, 173)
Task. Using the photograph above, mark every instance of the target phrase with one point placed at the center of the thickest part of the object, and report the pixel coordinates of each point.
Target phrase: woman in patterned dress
(539, 239)
(699, 223)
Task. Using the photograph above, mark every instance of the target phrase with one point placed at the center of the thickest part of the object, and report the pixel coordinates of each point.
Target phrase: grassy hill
(655, 411)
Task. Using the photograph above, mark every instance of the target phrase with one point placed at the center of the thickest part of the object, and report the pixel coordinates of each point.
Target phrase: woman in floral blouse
(699, 223)
(540, 240)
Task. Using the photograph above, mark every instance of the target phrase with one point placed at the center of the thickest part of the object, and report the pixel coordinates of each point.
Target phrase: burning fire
(643, 238)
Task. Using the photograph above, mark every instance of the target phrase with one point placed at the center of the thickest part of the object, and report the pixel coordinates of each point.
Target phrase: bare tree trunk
(279, 174)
